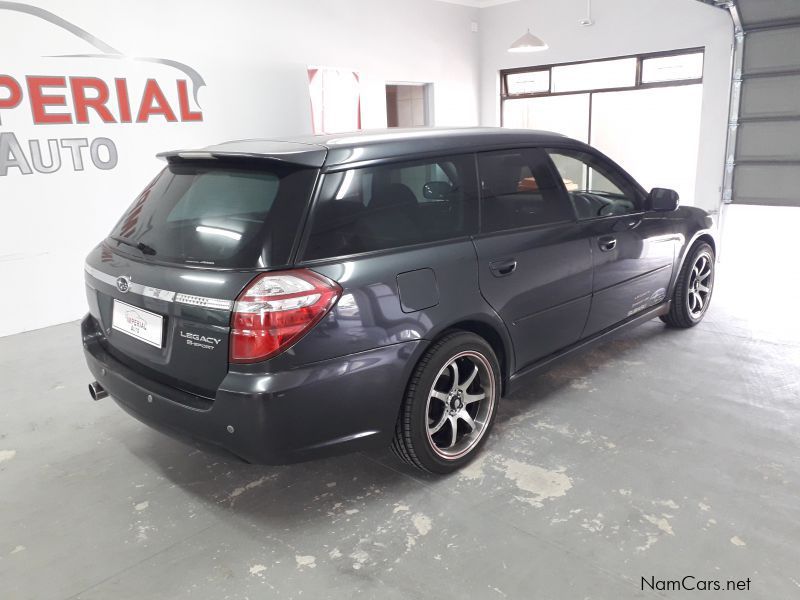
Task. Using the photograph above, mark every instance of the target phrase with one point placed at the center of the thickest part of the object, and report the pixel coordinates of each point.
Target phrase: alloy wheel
(460, 404)
(700, 284)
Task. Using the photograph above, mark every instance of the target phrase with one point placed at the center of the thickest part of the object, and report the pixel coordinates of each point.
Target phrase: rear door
(397, 237)
(633, 251)
(162, 285)
(535, 263)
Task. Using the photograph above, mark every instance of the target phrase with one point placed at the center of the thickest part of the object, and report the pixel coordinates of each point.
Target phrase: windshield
(217, 215)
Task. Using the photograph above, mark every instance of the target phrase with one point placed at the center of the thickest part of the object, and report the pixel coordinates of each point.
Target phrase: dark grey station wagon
(286, 300)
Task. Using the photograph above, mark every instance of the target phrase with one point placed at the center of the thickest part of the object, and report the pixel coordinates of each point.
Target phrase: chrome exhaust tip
(97, 391)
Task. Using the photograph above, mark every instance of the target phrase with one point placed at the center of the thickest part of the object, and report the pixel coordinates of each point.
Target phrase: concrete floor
(664, 454)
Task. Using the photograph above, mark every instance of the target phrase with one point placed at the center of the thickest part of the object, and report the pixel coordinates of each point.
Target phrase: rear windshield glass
(217, 215)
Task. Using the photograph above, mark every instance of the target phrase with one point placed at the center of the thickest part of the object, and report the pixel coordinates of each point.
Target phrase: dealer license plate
(141, 324)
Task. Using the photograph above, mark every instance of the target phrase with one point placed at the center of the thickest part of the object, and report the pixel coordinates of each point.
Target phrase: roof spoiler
(306, 155)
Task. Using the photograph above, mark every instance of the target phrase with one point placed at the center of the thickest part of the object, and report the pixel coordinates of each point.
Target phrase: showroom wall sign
(131, 96)
(87, 101)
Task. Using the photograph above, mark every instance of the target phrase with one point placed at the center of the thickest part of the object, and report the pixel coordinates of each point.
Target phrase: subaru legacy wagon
(286, 300)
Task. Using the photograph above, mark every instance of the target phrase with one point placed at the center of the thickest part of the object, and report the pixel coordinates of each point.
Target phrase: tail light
(276, 310)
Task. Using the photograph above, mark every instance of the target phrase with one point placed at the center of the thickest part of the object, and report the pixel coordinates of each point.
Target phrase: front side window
(393, 205)
(594, 189)
(518, 190)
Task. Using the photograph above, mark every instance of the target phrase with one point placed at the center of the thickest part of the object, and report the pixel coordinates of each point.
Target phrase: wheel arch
(493, 336)
(699, 237)
(703, 237)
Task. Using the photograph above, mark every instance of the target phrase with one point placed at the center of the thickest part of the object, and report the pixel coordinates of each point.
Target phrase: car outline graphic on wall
(105, 51)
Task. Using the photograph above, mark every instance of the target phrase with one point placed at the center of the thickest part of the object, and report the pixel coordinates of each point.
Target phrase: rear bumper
(340, 405)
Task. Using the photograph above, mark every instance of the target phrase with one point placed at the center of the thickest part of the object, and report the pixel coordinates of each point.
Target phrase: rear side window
(394, 205)
(519, 189)
(217, 214)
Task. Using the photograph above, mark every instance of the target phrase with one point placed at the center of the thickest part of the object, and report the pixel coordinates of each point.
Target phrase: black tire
(684, 312)
(412, 442)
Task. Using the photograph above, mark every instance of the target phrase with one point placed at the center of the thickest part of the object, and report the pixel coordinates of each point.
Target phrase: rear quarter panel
(370, 313)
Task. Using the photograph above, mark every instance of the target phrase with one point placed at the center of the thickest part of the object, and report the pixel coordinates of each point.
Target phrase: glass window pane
(195, 212)
(518, 190)
(568, 115)
(623, 125)
(595, 190)
(595, 75)
(573, 172)
(672, 68)
(391, 206)
(530, 82)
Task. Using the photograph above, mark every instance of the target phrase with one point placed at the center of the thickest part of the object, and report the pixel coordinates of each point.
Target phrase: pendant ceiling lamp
(528, 43)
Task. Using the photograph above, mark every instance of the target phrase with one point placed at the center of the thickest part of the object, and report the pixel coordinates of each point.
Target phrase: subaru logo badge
(123, 284)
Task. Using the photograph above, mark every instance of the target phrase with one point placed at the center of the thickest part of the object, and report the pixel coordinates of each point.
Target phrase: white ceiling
(478, 3)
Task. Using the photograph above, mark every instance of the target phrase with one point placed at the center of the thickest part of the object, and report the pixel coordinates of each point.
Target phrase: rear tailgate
(162, 286)
(188, 346)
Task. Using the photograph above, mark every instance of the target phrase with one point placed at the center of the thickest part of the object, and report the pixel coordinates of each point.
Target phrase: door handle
(607, 243)
(633, 223)
(502, 268)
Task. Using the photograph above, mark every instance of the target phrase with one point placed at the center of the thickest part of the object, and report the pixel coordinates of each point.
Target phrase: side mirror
(663, 200)
(436, 190)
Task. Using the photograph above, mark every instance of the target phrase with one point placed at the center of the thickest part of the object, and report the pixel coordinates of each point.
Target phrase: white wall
(621, 27)
(252, 55)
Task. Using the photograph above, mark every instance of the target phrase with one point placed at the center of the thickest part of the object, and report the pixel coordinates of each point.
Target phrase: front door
(534, 260)
(633, 251)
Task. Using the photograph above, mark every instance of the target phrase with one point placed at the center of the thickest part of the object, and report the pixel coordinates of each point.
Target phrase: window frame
(299, 255)
(506, 95)
(557, 80)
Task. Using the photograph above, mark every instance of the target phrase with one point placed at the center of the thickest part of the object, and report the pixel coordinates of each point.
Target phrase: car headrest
(503, 175)
(393, 195)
